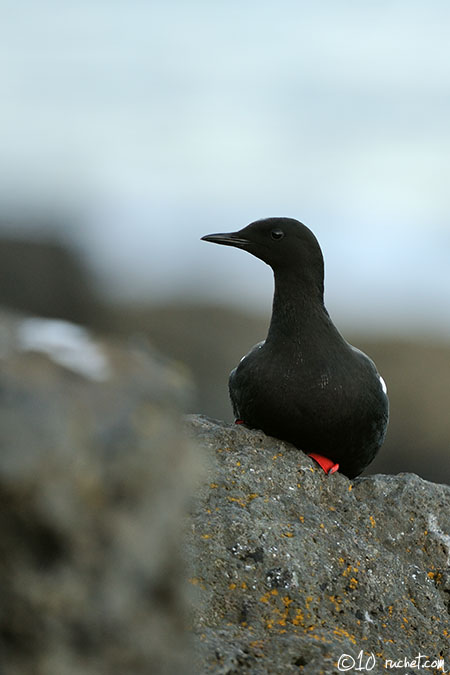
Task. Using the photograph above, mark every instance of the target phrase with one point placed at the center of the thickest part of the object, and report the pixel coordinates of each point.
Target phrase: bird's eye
(277, 234)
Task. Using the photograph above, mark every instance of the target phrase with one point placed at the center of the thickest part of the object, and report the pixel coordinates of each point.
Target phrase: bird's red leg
(239, 421)
(327, 464)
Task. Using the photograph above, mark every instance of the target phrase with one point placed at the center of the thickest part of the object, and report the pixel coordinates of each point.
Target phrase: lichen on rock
(293, 568)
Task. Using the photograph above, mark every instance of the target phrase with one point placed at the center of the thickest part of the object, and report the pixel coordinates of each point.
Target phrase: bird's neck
(298, 307)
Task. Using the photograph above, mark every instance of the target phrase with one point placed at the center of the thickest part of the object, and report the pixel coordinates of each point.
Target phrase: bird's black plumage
(305, 384)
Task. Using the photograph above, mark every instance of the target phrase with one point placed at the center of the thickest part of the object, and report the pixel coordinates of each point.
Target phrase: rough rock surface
(293, 568)
(95, 475)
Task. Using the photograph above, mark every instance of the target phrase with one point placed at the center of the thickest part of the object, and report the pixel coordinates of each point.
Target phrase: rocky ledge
(294, 569)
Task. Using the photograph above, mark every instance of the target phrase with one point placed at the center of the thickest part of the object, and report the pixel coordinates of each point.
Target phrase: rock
(47, 278)
(294, 569)
(95, 476)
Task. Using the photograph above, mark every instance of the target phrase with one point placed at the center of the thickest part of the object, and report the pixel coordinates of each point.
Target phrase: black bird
(305, 384)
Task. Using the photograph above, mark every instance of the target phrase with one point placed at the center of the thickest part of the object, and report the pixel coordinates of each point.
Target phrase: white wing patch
(383, 384)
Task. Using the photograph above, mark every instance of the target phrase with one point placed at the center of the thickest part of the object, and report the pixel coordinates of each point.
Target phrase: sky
(145, 125)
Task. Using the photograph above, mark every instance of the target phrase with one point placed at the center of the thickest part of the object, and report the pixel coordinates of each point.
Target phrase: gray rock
(95, 476)
(46, 277)
(293, 568)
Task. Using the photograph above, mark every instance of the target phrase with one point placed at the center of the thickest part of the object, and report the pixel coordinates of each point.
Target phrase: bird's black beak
(228, 239)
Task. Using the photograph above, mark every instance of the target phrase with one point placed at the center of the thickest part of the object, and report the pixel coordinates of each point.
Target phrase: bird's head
(283, 243)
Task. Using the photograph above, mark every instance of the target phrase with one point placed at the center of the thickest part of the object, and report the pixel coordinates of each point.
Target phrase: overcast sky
(153, 123)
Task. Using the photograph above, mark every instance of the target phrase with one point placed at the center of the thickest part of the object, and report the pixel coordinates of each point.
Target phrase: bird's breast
(267, 381)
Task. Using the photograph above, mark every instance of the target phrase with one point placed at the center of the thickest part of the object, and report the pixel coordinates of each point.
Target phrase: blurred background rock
(96, 477)
(128, 131)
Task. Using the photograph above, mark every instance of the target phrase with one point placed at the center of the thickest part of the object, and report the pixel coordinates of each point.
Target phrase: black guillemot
(304, 383)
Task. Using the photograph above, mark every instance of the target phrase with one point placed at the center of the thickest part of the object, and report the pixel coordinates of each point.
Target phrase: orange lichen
(244, 501)
(341, 632)
(237, 500)
(256, 644)
(298, 618)
(337, 601)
